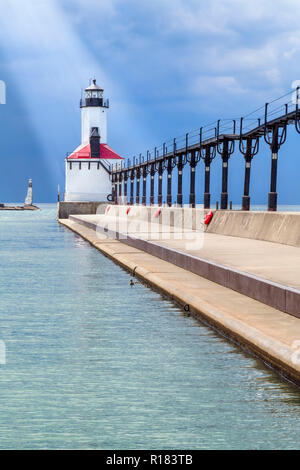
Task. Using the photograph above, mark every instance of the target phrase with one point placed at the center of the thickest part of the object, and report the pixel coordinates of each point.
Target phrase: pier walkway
(266, 271)
(258, 268)
(273, 261)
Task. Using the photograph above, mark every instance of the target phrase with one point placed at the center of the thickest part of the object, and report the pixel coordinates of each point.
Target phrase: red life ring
(208, 217)
(107, 209)
(128, 210)
(157, 213)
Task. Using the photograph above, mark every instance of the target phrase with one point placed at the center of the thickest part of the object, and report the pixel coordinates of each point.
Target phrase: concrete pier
(255, 266)
(66, 208)
(265, 271)
(276, 227)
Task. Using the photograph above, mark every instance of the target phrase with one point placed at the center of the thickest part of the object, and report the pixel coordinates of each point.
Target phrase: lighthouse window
(70, 165)
(88, 94)
(95, 94)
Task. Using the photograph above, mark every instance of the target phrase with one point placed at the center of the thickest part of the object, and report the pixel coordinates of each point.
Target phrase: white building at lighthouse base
(88, 179)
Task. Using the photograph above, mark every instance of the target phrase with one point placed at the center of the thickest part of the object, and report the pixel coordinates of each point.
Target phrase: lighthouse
(88, 167)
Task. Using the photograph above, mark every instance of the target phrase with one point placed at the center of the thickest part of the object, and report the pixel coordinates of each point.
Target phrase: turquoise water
(93, 363)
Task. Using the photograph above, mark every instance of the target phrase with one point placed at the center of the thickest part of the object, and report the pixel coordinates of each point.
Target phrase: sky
(167, 66)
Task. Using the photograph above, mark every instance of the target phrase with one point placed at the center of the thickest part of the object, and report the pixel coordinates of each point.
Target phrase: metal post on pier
(225, 158)
(152, 174)
(275, 136)
(225, 149)
(115, 191)
(138, 177)
(160, 173)
(193, 160)
(120, 185)
(144, 174)
(249, 148)
(170, 165)
(248, 158)
(159, 167)
(272, 199)
(179, 162)
(131, 186)
(207, 153)
(125, 185)
(207, 163)
(192, 178)
(113, 186)
(179, 189)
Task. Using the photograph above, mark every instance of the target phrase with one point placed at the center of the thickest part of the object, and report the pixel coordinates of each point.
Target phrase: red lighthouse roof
(84, 151)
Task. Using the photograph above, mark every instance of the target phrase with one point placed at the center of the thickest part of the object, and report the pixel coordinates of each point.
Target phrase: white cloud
(245, 40)
(220, 84)
(231, 15)
(160, 52)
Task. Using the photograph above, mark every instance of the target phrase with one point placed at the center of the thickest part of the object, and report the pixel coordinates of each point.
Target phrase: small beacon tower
(28, 199)
(87, 169)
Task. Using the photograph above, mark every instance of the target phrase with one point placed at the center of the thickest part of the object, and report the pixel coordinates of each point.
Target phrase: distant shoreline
(19, 208)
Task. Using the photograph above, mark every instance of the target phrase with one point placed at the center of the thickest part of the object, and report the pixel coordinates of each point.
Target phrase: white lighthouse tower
(88, 167)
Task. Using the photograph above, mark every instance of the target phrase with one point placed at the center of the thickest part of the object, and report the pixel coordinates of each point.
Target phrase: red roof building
(84, 151)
